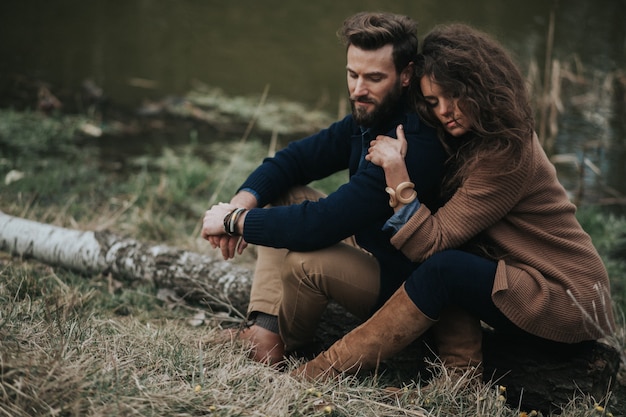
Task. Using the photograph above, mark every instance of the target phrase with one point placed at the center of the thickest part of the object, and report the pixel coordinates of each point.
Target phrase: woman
(506, 248)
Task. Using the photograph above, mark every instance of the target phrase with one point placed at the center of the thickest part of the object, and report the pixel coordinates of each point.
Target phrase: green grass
(74, 345)
(608, 233)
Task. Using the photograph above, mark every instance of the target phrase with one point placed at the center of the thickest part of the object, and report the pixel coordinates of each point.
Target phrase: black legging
(458, 278)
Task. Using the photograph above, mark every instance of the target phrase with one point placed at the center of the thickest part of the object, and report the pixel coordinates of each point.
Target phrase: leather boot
(266, 346)
(459, 337)
(398, 323)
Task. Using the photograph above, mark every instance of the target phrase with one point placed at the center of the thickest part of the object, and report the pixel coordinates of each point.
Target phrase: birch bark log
(220, 284)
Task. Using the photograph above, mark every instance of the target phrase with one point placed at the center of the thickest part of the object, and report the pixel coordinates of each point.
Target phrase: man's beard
(381, 112)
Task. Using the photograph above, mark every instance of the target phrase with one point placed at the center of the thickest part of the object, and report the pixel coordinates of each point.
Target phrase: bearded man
(314, 248)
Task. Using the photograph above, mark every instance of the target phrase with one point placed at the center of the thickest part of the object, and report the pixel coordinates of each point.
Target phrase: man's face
(373, 84)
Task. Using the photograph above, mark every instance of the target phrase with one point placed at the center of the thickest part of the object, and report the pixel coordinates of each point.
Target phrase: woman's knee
(426, 285)
(456, 268)
(451, 277)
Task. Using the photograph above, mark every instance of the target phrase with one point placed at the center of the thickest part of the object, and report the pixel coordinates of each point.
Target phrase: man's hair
(373, 30)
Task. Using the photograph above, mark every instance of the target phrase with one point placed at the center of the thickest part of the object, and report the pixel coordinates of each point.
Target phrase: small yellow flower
(318, 394)
(599, 408)
(328, 409)
(523, 414)
(502, 388)
(197, 388)
(501, 398)
(533, 413)
(212, 408)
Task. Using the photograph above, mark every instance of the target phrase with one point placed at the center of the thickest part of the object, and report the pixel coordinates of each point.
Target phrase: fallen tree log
(218, 284)
(542, 375)
(536, 377)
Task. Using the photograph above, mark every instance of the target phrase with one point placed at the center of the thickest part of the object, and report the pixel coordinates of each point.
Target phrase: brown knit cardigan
(551, 281)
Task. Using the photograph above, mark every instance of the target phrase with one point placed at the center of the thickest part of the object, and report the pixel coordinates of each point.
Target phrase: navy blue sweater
(360, 207)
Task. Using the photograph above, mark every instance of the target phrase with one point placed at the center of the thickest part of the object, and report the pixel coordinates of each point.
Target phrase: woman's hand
(387, 152)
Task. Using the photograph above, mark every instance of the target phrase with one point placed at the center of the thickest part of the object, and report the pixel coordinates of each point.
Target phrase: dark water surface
(144, 49)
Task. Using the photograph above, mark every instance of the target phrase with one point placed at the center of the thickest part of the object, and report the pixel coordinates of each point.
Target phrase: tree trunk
(535, 376)
(542, 375)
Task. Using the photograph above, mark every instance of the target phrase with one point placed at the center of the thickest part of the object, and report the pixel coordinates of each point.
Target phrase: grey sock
(267, 321)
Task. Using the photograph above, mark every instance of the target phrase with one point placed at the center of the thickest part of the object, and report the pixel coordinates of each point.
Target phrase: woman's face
(445, 107)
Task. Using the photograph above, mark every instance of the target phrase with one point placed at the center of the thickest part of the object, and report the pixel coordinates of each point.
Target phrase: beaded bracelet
(230, 221)
(395, 196)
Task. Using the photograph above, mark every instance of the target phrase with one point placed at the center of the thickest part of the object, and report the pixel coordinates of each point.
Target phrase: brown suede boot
(459, 338)
(389, 330)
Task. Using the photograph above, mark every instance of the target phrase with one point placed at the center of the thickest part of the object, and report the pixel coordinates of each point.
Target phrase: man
(306, 256)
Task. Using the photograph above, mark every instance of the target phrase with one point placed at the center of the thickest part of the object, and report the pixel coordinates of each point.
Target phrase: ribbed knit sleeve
(487, 196)
(303, 161)
(359, 207)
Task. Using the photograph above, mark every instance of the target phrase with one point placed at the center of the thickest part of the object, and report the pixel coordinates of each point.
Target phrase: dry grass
(70, 347)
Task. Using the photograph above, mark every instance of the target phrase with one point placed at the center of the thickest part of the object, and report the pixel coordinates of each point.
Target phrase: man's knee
(295, 268)
(297, 195)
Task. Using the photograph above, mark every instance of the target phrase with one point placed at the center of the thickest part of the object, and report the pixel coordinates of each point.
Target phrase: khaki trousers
(297, 286)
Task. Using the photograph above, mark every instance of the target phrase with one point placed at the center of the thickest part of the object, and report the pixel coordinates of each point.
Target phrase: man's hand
(213, 222)
(213, 231)
(213, 225)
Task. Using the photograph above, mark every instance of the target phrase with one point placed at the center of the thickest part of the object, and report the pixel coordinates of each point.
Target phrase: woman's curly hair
(492, 94)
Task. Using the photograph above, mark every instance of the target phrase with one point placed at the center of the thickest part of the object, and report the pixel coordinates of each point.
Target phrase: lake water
(136, 50)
